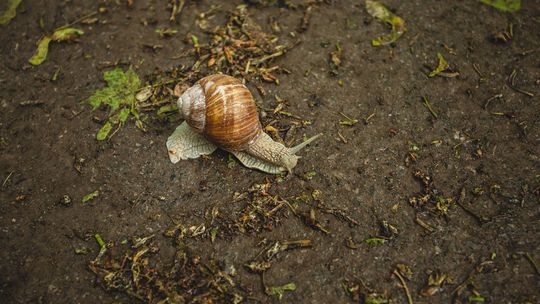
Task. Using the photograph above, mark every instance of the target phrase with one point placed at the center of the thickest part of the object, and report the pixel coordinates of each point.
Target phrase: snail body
(219, 111)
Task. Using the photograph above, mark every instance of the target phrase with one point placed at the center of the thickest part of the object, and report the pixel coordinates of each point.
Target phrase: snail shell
(219, 111)
(222, 109)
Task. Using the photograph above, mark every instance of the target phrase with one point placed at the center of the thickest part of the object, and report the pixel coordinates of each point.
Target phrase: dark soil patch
(454, 197)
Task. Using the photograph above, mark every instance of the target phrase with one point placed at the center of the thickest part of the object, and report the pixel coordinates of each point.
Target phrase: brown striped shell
(222, 109)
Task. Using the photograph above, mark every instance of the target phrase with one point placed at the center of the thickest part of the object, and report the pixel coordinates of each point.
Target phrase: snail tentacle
(301, 146)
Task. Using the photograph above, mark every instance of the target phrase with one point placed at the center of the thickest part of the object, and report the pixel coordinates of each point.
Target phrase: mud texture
(481, 153)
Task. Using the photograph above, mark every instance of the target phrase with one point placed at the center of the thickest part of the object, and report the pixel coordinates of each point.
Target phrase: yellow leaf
(10, 12)
(41, 52)
(66, 34)
(379, 11)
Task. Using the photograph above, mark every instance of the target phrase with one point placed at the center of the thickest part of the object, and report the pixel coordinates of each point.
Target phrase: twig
(512, 84)
(477, 70)
(404, 285)
(428, 106)
(486, 104)
(533, 263)
(77, 20)
(177, 9)
(7, 178)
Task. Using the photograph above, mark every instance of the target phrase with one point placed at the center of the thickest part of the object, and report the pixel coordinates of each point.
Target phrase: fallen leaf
(379, 11)
(443, 65)
(41, 52)
(64, 34)
(90, 196)
(504, 5)
(10, 12)
(104, 131)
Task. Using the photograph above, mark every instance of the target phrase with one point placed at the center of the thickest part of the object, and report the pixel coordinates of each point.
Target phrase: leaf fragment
(100, 241)
(375, 240)
(123, 115)
(166, 32)
(104, 131)
(90, 196)
(118, 94)
(41, 52)
(279, 291)
(377, 10)
(66, 34)
(504, 5)
(443, 65)
(10, 12)
(63, 34)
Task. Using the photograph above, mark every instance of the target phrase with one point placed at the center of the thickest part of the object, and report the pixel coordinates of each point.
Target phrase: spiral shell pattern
(222, 109)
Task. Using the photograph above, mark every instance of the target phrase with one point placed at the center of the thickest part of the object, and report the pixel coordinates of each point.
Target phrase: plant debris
(166, 32)
(360, 293)
(280, 290)
(512, 84)
(10, 12)
(189, 279)
(90, 196)
(443, 69)
(435, 282)
(119, 97)
(240, 48)
(430, 199)
(62, 34)
(377, 10)
(504, 36)
(427, 104)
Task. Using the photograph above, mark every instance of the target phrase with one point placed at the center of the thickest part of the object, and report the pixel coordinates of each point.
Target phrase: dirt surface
(455, 195)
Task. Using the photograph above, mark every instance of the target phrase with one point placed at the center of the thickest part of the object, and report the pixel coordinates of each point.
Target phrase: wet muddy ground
(435, 187)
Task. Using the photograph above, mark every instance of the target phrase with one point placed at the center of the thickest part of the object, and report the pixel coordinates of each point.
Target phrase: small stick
(486, 104)
(512, 84)
(77, 20)
(477, 70)
(428, 106)
(7, 178)
(407, 292)
(533, 263)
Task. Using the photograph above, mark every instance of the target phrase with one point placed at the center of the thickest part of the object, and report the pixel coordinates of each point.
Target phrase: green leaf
(477, 299)
(504, 5)
(43, 45)
(118, 94)
(123, 115)
(10, 12)
(379, 11)
(120, 90)
(99, 96)
(104, 131)
(41, 52)
(66, 34)
(90, 196)
(280, 290)
(443, 65)
(99, 240)
(375, 240)
(195, 40)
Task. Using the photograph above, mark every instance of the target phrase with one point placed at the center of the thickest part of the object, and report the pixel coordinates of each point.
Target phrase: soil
(481, 154)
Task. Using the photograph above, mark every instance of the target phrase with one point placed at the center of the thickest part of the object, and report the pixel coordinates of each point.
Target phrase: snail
(219, 112)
